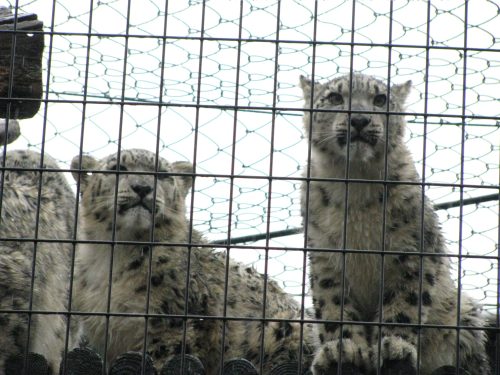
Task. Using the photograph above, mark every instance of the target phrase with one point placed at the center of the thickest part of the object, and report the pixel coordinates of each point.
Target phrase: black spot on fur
(178, 349)
(18, 335)
(429, 240)
(435, 259)
(354, 316)
(175, 322)
(165, 308)
(389, 296)
(321, 338)
(284, 330)
(412, 299)
(98, 217)
(231, 302)
(4, 320)
(411, 275)
(162, 259)
(403, 257)
(140, 289)
(326, 283)
(252, 354)
(321, 302)
(157, 280)
(160, 352)
(135, 264)
(337, 300)
(426, 298)
(325, 199)
(178, 293)
(430, 279)
(317, 313)
(395, 176)
(402, 318)
(346, 334)
(331, 327)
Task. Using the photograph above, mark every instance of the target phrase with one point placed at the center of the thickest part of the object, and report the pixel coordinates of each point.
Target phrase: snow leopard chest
(354, 238)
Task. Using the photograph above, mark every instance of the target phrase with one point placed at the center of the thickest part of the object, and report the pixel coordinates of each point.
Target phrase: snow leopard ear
(79, 171)
(306, 86)
(186, 180)
(401, 91)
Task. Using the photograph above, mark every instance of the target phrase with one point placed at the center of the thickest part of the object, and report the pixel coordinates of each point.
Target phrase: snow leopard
(36, 207)
(379, 268)
(145, 261)
(9, 131)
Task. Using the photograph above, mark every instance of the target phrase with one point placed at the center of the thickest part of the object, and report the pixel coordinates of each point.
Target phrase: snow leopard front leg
(407, 300)
(344, 344)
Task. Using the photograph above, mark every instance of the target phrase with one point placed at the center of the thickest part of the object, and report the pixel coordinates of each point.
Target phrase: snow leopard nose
(142, 190)
(359, 122)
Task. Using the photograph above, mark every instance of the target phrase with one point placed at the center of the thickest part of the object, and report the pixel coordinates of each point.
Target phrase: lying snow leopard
(402, 290)
(152, 211)
(27, 214)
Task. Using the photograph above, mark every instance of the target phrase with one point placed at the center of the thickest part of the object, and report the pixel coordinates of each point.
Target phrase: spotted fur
(381, 227)
(141, 201)
(31, 209)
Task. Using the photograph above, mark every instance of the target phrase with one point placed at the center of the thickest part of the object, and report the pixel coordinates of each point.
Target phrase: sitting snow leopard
(29, 209)
(400, 289)
(152, 211)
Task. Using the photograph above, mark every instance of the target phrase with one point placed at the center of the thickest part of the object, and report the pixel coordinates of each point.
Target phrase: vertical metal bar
(152, 238)
(346, 196)
(496, 334)
(385, 187)
(118, 173)
(231, 188)
(423, 173)
(191, 212)
(462, 173)
(44, 127)
(80, 156)
(270, 190)
(307, 181)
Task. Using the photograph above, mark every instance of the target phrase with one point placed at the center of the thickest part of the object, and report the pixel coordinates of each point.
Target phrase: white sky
(70, 49)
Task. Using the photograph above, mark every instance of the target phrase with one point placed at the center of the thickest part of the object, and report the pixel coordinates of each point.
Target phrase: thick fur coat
(34, 275)
(187, 290)
(377, 253)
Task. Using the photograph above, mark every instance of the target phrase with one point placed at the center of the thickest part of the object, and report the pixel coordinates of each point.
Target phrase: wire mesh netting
(216, 82)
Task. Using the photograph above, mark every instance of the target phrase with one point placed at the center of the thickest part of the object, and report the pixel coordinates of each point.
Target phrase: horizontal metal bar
(268, 109)
(292, 231)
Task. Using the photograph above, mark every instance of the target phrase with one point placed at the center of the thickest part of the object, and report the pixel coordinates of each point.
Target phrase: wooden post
(21, 48)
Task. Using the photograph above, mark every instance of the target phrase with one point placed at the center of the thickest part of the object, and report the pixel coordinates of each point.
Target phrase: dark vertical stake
(307, 180)
(231, 187)
(462, 172)
(77, 196)
(195, 154)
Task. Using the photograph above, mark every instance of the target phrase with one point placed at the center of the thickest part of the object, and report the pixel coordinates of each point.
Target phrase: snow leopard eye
(165, 176)
(115, 167)
(380, 100)
(335, 98)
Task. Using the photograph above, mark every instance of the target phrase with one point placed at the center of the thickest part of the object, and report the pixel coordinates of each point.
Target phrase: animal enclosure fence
(216, 83)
